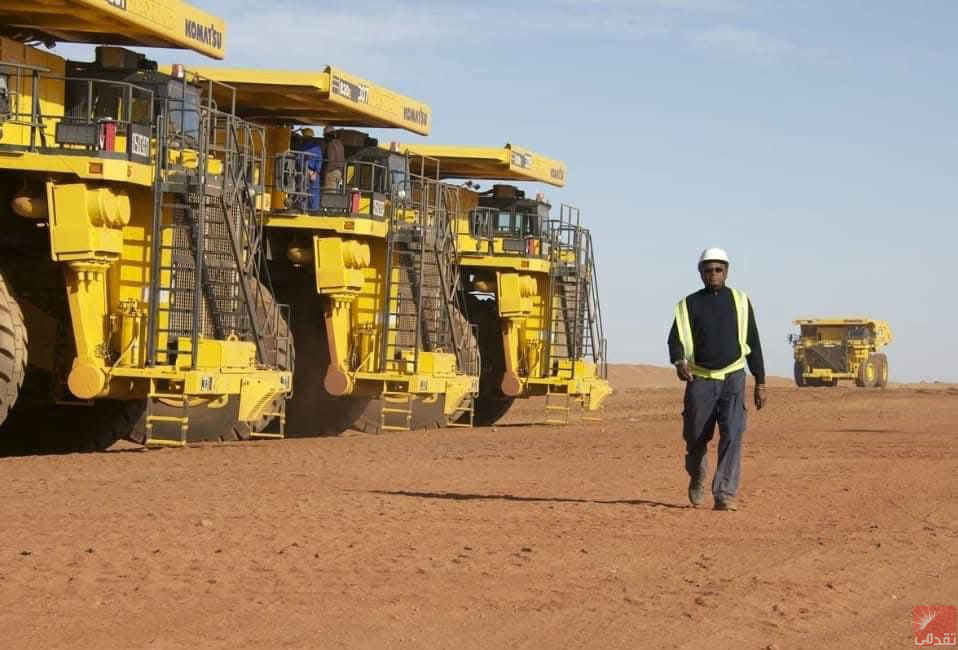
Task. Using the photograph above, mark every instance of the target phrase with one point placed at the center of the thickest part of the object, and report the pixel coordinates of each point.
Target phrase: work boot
(725, 503)
(696, 491)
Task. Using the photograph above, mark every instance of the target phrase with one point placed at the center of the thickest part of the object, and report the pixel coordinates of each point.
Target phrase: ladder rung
(178, 396)
(389, 427)
(164, 442)
(399, 411)
(168, 418)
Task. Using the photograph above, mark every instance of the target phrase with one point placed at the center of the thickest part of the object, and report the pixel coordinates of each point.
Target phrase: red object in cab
(354, 197)
(107, 135)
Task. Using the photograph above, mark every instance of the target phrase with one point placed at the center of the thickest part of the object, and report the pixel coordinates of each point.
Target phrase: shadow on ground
(456, 496)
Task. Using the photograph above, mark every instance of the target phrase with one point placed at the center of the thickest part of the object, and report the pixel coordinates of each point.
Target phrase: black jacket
(715, 333)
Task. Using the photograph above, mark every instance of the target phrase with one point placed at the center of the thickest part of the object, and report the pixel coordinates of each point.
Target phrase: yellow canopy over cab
(145, 23)
(331, 96)
(508, 163)
(838, 321)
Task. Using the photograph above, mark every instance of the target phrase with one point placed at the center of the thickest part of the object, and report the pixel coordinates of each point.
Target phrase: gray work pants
(708, 401)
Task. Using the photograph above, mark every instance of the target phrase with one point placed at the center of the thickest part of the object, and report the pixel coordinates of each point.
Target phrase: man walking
(712, 339)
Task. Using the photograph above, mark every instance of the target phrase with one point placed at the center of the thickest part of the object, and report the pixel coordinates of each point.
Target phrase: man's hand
(759, 396)
(682, 370)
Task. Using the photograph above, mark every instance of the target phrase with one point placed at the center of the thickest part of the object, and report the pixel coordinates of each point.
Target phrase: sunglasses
(713, 269)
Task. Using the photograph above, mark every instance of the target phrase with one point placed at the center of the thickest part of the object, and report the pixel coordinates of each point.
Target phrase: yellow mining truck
(830, 349)
(533, 292)
(365, 255)
(133, 295)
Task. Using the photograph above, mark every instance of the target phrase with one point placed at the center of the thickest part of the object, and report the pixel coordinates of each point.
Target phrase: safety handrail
(484, 226)
(133, 109)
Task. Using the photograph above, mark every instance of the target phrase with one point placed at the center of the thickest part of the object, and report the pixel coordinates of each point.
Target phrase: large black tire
(32, 426)
(868, 373)
(98, 425)
(427, 413)
(491, 404)
(490, 409)
(208, 423)
(797, 371)
(61, 429)
(469, 352)
(312, 411)
(13, 349)
(882, 362)
(273, 338)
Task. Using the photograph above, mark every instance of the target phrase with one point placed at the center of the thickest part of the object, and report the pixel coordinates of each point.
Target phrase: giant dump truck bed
(144, 23)
(329, 96)
(506, 163)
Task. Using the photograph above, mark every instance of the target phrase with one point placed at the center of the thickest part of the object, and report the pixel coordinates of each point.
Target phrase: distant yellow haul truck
(533, 292)
(133, 295)
(364, 254)
(831, 349)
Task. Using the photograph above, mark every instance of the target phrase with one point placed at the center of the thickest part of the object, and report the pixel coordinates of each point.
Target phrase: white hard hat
(714, 255)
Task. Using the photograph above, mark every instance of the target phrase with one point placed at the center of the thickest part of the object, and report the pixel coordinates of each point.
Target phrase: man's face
(713, 274)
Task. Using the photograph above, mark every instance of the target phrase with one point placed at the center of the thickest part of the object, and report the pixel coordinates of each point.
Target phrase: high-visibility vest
(684, 325)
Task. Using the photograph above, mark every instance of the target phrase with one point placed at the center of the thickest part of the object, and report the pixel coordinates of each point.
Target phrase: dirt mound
(625, 376)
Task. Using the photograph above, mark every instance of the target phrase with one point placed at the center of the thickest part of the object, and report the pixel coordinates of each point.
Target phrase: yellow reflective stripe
(707, 373)
(741, 311)
(684, 326)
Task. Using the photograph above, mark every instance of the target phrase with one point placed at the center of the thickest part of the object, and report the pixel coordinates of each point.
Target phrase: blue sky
(814, 140)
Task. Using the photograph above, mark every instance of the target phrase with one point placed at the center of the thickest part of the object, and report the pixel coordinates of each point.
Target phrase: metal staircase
(399, 341)
(450, 279)
(463, 336)
(436, 334)
(206, 261)
(566, 295)
(423, 309)
(594, 345)
(575, 331)
(420, 256)
(208, 277)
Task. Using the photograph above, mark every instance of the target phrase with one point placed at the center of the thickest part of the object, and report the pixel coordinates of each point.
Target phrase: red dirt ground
(517, 536)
